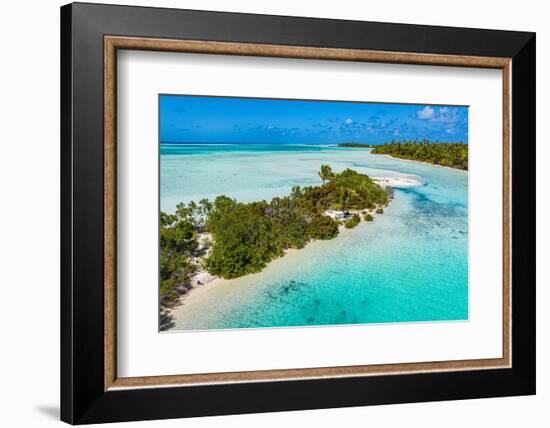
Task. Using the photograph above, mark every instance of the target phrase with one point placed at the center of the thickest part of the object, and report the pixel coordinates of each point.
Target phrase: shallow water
(410, 264)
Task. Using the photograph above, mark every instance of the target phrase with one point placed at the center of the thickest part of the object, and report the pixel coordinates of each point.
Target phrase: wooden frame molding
(113, 43)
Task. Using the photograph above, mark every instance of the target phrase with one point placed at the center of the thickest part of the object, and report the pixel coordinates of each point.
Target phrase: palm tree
(326, 173)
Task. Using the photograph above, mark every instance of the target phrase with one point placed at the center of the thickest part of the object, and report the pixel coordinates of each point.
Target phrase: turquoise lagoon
(409, 265)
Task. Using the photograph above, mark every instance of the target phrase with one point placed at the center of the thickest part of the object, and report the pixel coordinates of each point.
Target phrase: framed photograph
(266, 213)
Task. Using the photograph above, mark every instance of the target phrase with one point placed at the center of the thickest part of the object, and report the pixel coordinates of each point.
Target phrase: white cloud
(426, 113)
(349, 121)
(447, 115)
(443, 115)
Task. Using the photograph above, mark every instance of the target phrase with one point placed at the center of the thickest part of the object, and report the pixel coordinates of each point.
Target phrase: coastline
(214, 283)
(423, 162)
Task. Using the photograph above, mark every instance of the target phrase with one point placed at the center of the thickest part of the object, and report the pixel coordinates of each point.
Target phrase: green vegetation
(369, 217)
(178, 243)
(355, 145)
(326, 173)
(352, 222)
(379, 211)
(454, 155)
(322, 227)
(246, 236)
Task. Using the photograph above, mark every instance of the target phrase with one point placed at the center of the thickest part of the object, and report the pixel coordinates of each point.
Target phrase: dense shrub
(322, 227)
(178, 243)
(352, 222)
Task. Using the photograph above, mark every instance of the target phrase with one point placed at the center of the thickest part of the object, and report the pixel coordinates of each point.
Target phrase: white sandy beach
(396, 181)
(425, 163)
(216, 284)
(210, 284)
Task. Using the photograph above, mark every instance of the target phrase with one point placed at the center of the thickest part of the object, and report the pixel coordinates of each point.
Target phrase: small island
(355, 145)
(227, 239)
(452, 155)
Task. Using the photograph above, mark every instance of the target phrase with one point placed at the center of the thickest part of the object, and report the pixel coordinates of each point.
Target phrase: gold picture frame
(114, 43)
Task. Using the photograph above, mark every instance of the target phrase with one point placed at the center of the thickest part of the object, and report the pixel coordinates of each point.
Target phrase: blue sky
(248, 120)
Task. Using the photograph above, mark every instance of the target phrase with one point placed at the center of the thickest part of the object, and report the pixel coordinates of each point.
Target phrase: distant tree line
(357, 145)
(454, 155)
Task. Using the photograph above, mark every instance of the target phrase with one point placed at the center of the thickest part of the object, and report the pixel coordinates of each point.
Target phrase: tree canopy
(178, 243)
